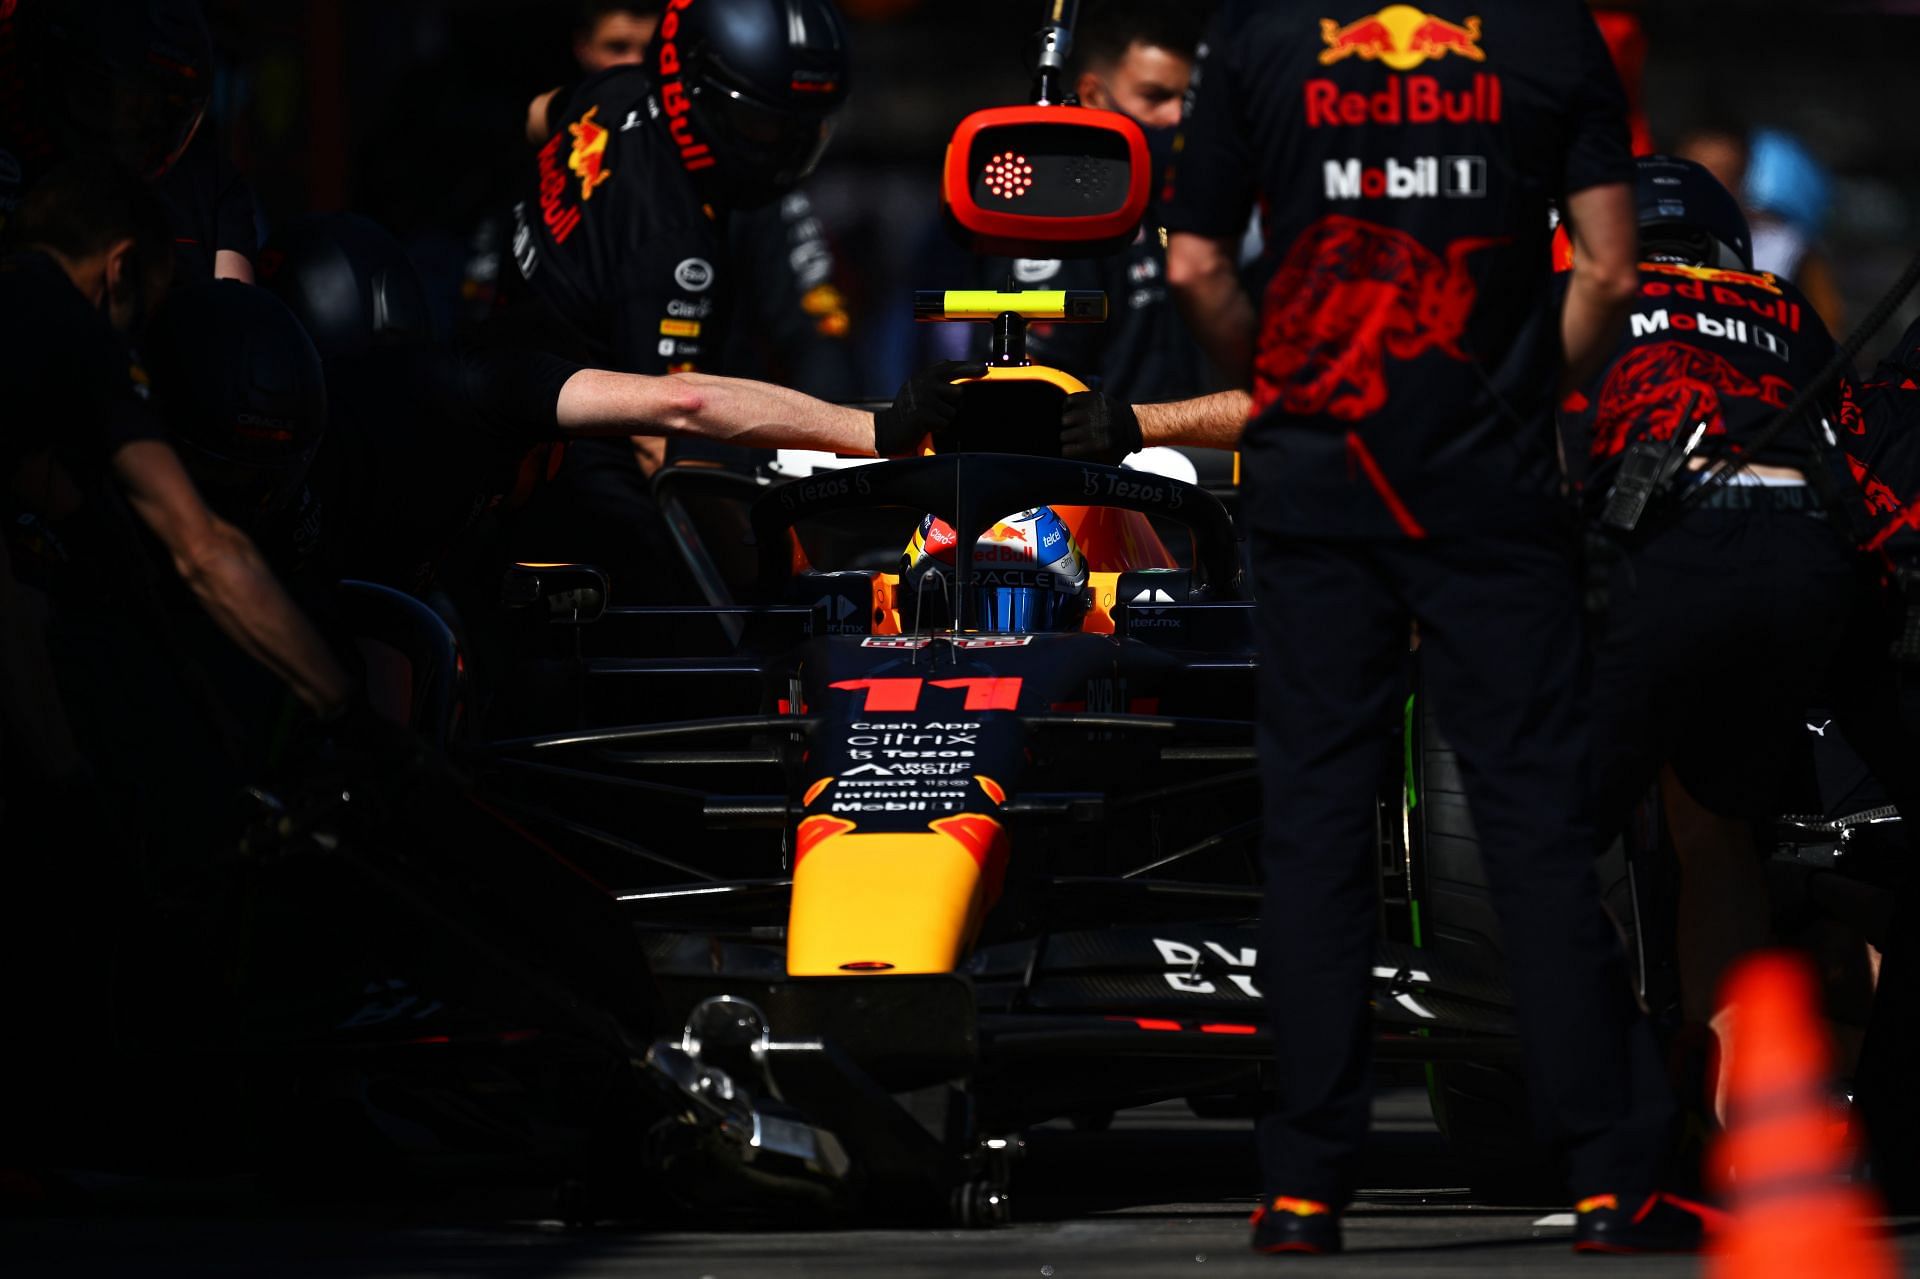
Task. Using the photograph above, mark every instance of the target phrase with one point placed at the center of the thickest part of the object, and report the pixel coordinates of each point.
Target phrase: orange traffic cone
(1782, 1163)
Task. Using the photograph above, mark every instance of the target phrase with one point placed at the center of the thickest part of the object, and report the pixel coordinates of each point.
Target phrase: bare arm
(230, 264)
(727, 410)
(1210, 422)
(1606, 279)
(1815, 278)
(228, 576)
(1206, 288)
(538, 130)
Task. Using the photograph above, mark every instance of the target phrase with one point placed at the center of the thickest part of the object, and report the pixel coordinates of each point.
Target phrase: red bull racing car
(928, 848)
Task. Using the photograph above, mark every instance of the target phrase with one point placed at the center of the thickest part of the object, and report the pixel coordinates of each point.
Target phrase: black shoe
(1295, 1225)
(1641, 1223)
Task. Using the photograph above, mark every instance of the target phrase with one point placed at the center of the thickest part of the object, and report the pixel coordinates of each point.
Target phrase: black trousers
(1719, 634)
(1502, 659)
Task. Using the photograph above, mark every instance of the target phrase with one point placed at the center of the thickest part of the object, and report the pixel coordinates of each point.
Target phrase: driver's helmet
(1029, 577)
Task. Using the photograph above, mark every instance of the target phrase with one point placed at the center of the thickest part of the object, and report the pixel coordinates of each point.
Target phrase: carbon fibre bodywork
(1014, 874)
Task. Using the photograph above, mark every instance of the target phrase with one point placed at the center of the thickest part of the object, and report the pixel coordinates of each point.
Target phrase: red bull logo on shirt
(588, 160)
(561, 217)
(1657, 391)
(1419, 99)
(1351, 295)
(1400, 37)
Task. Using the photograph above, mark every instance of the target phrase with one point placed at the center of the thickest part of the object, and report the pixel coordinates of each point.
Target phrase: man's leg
(1501, 647)
(1332, 643)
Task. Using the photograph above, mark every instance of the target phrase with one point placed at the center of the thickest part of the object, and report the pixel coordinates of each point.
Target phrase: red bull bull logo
(1351, 295)
(1659, 390)
(1400, 37)
(588, 160)
(1005, 533)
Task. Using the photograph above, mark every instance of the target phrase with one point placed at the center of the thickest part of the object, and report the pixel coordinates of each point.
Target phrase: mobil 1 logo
(1427, 177)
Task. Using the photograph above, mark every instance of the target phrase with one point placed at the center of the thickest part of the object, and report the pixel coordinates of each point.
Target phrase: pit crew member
(1401, 467)
(424, 437)
(800, 323)
(107, 527)
(1877, 706)
(1722, 618)
(95, 261)
(621, 241)
(83, 77)
(1134, 57)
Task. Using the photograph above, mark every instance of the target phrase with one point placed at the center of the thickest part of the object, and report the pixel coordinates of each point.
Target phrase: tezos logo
(695, 275)
(1035, 270)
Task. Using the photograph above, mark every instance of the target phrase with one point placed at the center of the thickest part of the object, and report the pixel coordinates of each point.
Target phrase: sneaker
(1295, 1225)
(1641, 1223)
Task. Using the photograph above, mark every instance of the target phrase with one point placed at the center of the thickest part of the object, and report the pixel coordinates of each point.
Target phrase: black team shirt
(72, 394)
(210, 206)
(620, 265)
(71, 387)
(1880, 427)
(1404, 160)
(1728, 350)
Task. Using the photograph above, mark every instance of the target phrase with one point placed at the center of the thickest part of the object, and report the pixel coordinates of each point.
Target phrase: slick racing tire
(1481, 1107)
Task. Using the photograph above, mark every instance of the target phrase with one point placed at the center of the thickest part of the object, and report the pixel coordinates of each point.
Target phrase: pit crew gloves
(926, 403)
(1098, 428)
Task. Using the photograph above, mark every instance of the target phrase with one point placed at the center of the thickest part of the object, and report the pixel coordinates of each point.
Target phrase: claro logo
(674, 99)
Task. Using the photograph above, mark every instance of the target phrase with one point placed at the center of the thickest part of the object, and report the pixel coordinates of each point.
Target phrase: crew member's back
(1405, 161)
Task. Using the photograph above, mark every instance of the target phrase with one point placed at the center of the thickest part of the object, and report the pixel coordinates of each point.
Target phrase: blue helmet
(1028, 577)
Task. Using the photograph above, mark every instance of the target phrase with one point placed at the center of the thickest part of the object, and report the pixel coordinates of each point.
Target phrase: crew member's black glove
(926, 403)
(1098, 428)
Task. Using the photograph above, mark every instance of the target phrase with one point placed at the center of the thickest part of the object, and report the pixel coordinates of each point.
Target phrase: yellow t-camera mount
(1009, 311)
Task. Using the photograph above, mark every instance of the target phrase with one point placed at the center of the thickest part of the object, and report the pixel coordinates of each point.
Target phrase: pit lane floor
(1160, 1194)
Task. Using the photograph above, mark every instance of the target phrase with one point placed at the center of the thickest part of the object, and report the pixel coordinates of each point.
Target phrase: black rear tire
(1482, 1108)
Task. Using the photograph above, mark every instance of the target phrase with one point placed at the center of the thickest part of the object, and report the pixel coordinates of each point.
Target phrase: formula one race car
(929, 848)
(906, 851)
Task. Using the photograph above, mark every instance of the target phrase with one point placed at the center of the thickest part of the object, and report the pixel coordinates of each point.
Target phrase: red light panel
(1009, 175)
(1046, 181)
